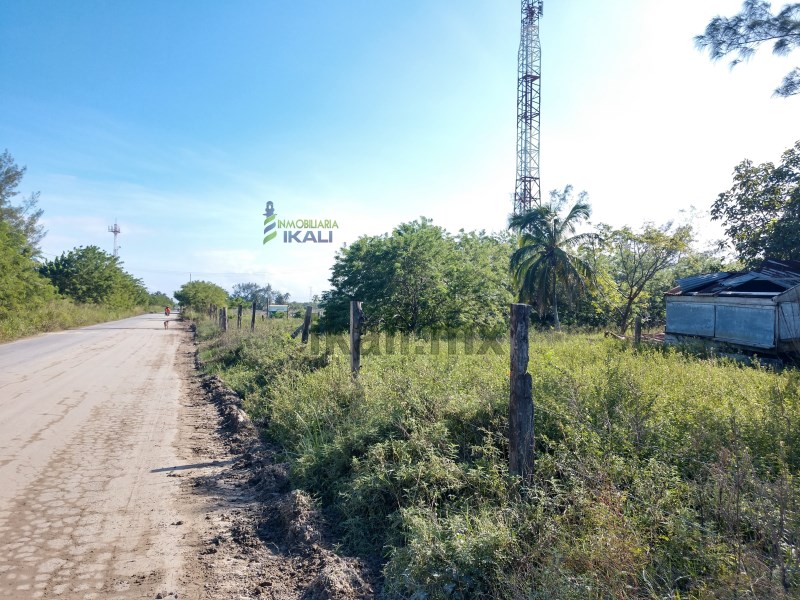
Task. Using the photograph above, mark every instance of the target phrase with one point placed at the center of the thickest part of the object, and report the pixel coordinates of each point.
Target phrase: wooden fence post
(223, 317)
(306, 325)
(239, 317)
(253, 318)
(520, 409)
(267, 313)
(637, 330)
(356, 320)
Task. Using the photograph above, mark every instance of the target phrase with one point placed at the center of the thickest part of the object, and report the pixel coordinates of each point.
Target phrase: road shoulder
(254, 536)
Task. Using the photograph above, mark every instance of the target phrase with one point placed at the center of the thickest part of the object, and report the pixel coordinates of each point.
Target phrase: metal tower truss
(527, 192)
(116, 231)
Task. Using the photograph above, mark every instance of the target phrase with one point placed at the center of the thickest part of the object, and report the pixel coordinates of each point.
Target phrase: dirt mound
(276, 536)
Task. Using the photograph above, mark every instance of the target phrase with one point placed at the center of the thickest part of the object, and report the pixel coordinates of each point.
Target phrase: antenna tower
(527, 192)
(116, 231)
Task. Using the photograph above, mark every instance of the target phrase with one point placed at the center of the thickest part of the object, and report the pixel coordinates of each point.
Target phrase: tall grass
(57, 315)
(658, 474)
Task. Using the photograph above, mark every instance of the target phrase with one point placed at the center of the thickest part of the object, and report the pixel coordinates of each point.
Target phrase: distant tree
(247, 293)
(160, 299)
(744, 32)
(761, 212)
(281, 298)
(421, 278)
(638, 257)
(479, 286)
(199, 295)
(90, 275)
(25, 216)
(547, 251)
(597, 307)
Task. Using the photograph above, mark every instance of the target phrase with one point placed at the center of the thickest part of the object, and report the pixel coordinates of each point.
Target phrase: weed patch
(658, 474)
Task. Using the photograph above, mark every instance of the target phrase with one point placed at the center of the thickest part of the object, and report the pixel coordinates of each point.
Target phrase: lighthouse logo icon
(269, 223)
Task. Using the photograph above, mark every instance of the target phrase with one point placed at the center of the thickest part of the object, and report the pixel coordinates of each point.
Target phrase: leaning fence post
(356, 320)
(253, 318)
(306, 325)
(520, 408)
(637, 330)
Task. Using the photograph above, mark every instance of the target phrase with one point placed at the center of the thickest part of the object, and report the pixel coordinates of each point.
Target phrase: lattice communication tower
(116, 231)
(527, 192)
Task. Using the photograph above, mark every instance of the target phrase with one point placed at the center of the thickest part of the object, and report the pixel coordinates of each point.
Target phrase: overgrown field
(658, 474)
(57, 315)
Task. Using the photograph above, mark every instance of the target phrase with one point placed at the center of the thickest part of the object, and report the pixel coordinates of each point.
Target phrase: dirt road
(88, 432)
(124, 473)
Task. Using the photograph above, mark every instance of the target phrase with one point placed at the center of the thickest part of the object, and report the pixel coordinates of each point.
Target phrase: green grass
(658, 474)
(58, 315)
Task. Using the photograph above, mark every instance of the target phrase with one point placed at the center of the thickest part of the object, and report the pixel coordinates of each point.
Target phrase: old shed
(755, 310)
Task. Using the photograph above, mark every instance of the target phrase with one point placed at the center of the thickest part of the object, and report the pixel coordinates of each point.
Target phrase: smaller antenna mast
(116, 231)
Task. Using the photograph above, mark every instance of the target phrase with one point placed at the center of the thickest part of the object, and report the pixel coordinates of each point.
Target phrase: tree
(421, 278)
(21, 285)
(199, 295)
(638, 257)
(25, 217)
(761, 211)
(479, 287)
(247, 293)
(93, 276)
(160, 299)
(744, 32)
(547, 256)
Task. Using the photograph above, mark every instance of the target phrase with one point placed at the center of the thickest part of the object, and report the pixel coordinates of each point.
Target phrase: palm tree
(546, 254)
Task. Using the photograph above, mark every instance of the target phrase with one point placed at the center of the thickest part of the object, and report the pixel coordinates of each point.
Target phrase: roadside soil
(261, 539)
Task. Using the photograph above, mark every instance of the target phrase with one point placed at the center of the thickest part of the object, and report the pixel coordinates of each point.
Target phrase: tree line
(84, 275)
(421, 278)
(199, 295)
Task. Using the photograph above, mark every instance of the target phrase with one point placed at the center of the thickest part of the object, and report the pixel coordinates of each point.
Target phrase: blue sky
(182, 119)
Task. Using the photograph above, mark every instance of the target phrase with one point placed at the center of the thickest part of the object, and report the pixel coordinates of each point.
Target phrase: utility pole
(527, 192)
(116, 231)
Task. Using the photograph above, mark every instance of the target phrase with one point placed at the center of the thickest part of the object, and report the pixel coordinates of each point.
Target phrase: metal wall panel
(746, 325)
(690, 318)
(789, 327)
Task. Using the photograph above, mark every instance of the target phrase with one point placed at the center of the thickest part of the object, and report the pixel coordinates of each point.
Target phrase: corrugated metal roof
(772, 278)
(688, 284)
(739, 280)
